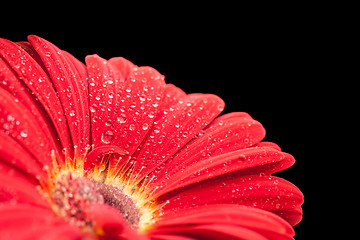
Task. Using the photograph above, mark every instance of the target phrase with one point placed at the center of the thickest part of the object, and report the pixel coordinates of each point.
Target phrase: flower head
(108, 150)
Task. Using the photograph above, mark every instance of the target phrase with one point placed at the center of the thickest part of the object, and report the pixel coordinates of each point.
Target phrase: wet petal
(225, 134)
(140, 99)
(34, 77)
(19, 190)
(293, 216)
(172, 95)
(104, 84)
(23, 221)
(13, 154)
(70, 87)
(265, 192)
(19, 123)
(176, 128)
(247, 161)
(12, 84)
(110, 222)
(238, 222)
(268, 144)
(123, 65)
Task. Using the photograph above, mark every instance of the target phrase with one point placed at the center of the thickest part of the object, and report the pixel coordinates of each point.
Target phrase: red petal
(170, 237)
(123, 65)
(22, 126)
(23, 221)
(19, 190)
(80, 72)
(94, 157)
(181, 123)
(13, 154)
(268, 144)
(293, 216)
(265, 192)
(10, 82)
(105, 83)
(109, 222)
(139, 99)
(225, 134)
(172, 95)
(216, 232)
(32, 74)
(70, 88)
(81, 77)
(53, 232)
(139, 102)
(32, 52)
(247, 161)
(233, 221)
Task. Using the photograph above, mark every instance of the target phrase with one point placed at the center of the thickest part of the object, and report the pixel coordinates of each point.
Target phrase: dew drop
(108, 122)
(121, 118)
(92, 108)
(24, 134)
(6, 126)
(131, 127)
(10, 118)
(145, 126)
(107, 137)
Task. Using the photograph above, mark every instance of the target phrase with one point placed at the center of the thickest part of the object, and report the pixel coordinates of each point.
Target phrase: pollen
(70, 190)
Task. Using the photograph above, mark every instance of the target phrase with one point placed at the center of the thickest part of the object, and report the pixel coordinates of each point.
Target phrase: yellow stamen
(121, 177)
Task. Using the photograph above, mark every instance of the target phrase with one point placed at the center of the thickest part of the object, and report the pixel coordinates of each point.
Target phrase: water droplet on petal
(10, 118)
(145, 126)
(131, 127)
(92, 108)
(24, 134)
(107, 137)
(121, 118)
(6, 126)
(108, 122)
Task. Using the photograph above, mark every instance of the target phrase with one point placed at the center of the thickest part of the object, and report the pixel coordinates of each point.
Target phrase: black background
(268, 67)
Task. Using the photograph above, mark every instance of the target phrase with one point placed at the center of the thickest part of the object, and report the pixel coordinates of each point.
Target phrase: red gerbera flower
(108, 150)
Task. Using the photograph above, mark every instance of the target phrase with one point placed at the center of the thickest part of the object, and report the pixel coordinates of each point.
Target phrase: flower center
(70, 197)
(72, 190)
